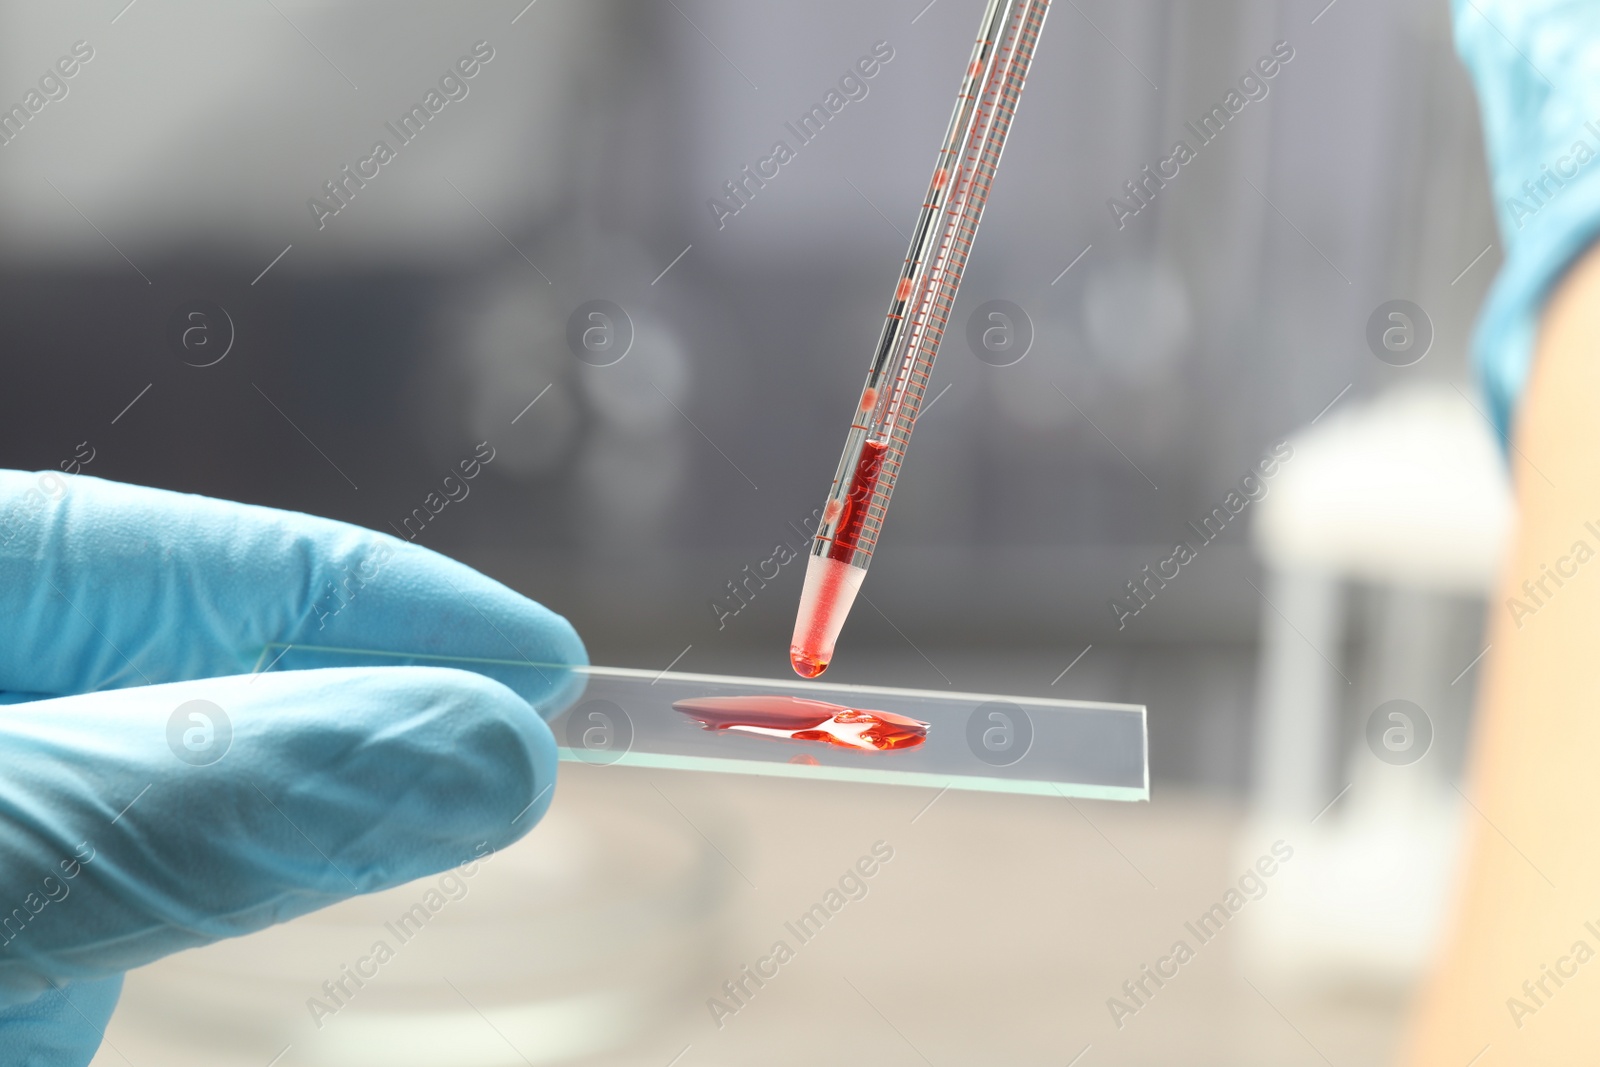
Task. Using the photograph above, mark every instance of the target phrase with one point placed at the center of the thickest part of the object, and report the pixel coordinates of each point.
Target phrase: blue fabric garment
(155, 796)
(1536, 64)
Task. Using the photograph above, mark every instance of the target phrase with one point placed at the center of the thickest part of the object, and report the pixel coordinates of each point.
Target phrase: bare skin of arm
(1531, 876)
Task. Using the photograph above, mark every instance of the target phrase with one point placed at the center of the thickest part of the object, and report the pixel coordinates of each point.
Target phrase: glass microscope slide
(798, 729)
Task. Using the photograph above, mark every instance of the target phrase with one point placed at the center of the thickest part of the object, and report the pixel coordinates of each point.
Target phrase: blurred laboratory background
(213, 285)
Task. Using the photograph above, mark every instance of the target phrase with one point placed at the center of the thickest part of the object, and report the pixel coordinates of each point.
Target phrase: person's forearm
(1519, 968)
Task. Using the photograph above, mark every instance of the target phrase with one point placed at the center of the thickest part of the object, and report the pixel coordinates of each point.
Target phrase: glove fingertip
(568, 648)
(498, 714)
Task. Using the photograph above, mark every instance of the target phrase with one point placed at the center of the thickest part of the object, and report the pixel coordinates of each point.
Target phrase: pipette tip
(806, 664)
(829, 591)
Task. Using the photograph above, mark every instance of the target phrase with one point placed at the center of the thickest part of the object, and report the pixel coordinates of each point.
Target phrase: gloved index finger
(105, 585)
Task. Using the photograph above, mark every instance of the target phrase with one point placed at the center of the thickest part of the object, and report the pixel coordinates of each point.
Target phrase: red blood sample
(868, 469)
(800, 719)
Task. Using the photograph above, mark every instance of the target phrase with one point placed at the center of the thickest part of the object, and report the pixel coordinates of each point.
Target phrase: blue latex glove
(120, 844)
(1532, 127)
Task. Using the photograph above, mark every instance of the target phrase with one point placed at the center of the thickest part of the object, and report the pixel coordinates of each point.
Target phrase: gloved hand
(1536, 64)
(123, 836)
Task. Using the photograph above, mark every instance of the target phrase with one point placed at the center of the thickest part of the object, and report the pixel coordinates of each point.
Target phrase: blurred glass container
(582, 939)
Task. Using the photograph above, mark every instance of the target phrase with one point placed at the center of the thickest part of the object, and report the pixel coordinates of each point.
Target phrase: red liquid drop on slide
(799, 719)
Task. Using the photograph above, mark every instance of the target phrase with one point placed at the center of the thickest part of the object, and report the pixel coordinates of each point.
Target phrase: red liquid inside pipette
(811, 654)
(800, 719)
(869, 468)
